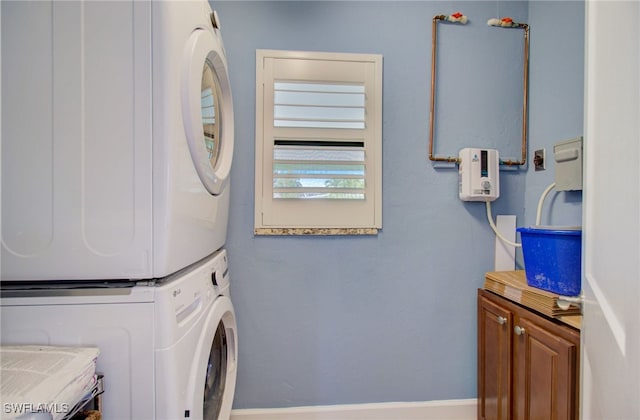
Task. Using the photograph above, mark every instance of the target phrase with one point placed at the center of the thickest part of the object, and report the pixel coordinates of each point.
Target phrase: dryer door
(207, 109)
(213, 375)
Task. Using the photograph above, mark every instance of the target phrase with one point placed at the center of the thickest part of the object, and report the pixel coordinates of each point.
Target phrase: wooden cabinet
(528, 364)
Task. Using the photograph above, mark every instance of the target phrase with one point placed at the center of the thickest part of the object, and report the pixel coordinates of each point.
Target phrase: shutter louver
(318, 170)
(318, 105)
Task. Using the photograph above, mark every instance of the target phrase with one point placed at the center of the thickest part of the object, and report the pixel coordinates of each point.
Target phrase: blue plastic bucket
(553, 259)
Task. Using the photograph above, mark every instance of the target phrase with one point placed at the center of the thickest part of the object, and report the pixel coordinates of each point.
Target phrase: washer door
(215, 379)
(207, 109)
(213, 375)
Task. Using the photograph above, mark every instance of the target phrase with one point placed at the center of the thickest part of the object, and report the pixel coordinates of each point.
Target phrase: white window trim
(370, 220)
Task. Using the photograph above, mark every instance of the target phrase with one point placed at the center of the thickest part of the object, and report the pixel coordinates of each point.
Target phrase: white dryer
(117, 138)
(168, 350)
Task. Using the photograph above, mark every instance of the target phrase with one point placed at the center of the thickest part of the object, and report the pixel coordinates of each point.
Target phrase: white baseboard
(428, 410)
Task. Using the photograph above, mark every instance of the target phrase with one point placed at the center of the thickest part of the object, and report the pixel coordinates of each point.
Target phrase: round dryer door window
(207, 109)
(210, 110)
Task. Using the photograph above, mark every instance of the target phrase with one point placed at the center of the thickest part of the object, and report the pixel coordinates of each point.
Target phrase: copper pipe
(434, 35)
(525, 96)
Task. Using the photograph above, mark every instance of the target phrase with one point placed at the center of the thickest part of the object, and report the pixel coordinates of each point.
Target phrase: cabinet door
(544, 373)
(494, 360)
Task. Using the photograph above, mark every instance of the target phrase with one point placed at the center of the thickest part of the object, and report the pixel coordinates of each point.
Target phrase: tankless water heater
(478, 172)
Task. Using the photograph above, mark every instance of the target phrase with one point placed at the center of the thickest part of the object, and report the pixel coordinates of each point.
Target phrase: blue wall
(333, 320)
(556, 101)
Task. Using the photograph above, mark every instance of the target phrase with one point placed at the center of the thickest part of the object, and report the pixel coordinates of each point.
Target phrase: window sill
(314, 231)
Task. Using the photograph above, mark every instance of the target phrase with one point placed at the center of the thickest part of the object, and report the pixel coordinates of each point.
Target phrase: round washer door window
(215, 380)
(207, 109)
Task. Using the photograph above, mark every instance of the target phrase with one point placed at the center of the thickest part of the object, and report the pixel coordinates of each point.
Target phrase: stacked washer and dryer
(117, 142)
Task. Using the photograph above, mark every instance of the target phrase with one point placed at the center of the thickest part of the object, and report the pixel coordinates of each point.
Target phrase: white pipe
(564, 302)
(542, 197)
(495, 229)
(572, 299)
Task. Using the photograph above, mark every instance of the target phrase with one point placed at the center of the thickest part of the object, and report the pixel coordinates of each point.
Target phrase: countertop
(512, 285)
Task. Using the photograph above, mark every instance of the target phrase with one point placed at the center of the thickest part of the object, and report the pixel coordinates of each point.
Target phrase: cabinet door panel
(494, 360)
(544, 379)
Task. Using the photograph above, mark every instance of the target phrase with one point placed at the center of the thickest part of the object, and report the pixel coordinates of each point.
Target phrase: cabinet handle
(502, 320)
(518, 330)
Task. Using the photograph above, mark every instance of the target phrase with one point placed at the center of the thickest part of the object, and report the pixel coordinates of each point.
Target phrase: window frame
(277, 216)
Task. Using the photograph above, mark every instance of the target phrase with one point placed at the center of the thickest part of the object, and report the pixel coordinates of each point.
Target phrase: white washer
(164, 348)
(117, 139)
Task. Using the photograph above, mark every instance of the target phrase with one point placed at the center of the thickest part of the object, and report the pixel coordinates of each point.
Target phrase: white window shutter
(318, 140)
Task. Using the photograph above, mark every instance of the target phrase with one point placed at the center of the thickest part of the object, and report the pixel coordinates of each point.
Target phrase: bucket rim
(552, 230)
